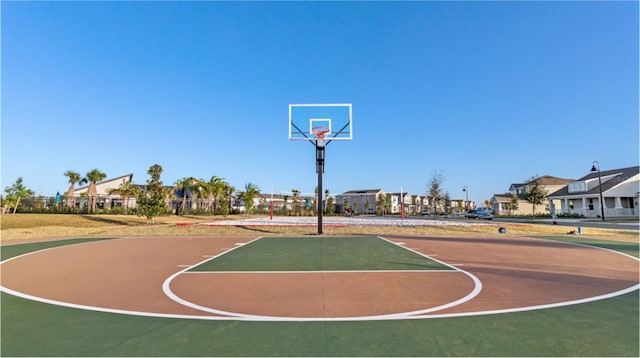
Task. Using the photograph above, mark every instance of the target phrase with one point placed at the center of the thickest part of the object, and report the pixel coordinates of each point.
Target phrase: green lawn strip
(9, 251)
(602, 328)
(318, 254)
(629, 248)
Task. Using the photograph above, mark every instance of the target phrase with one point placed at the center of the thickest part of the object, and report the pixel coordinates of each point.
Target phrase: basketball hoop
(320, 132)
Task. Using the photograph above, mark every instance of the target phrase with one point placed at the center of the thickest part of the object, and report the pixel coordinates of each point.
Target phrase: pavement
(611, 223)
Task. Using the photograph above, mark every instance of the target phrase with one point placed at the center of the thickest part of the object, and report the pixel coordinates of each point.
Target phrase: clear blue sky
(484, 93)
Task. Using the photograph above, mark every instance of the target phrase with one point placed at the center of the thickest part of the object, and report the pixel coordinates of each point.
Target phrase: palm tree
(212, 190)
(227, 192)
(249, 193)
(74, 178)
(125, 190)
(189, 185)
(93, 177)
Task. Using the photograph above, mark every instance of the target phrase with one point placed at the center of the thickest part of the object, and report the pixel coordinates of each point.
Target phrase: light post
(466, 202)
(594, 169)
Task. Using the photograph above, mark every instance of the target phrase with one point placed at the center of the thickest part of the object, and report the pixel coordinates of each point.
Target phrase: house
(360, 201)
(502, 204)
(104, 200)
(620, 191)
(284, 203)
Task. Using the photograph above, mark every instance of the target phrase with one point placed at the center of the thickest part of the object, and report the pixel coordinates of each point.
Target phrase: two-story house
(620, 190)
(503, 204)
(359, 201)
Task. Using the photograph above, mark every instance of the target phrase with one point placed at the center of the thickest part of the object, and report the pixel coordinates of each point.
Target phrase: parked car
(425, 212)
(479, 214)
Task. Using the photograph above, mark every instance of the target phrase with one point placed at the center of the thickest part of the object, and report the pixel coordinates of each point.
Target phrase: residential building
(360, 201)
(620, 191)
(104, 199)
(501, 204)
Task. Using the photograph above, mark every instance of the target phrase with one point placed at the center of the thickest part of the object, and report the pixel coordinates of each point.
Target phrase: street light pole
(593, 169)
(466, 193)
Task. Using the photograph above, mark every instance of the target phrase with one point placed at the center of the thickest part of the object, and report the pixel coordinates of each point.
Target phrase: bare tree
(434, 189)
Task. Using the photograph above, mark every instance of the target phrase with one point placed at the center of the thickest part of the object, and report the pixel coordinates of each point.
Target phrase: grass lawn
(318, 254)
(602, 328)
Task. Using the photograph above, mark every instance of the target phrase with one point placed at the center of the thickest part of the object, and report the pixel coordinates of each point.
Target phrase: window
(590, 204)
(577, 186)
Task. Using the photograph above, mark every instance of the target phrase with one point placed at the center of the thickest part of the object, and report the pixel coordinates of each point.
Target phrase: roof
(508, 197)
(130, 176)
(623, 174)
(365, 191)
(549, 180)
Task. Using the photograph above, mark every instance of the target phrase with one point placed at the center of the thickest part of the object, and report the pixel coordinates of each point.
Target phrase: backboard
(336, 118)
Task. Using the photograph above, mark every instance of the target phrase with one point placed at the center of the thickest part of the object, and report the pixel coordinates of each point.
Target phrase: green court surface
(320, 254)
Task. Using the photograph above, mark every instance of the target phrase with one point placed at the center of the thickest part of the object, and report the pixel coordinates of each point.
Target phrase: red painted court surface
(147, 275)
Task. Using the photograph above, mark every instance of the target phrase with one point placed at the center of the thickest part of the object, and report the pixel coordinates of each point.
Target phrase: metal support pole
(320, 170)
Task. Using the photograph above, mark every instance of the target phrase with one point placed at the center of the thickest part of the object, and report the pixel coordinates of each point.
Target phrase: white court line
(316, 272)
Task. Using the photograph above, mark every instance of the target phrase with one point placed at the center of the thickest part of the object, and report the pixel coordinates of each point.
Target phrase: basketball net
(320, 133)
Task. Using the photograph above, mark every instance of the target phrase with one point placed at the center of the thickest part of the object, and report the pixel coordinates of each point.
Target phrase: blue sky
(484, 93)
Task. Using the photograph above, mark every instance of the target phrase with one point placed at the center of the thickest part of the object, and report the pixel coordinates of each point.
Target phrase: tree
(387, 203)
(513, 205)
(74, 178)
(125, 191)
(536, 194)
(447, 202)
(150, 202)
(227, 192)
(366, 205)
(296, 204)
(93, 177)
(249, 193)
(212, 190)
(330, 207)
(15, 193)
(434, 189)
(189, 187)
(381, 204)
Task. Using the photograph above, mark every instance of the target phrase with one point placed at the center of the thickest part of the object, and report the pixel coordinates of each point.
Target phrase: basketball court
(154, 276)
